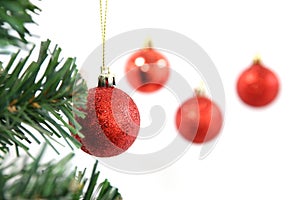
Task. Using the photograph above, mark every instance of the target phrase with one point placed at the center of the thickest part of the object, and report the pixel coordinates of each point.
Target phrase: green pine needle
(39, 95)
(52, 181)
(14, 16)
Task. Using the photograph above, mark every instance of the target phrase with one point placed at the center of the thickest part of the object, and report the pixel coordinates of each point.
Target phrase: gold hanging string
(103, 30)
(105, 79)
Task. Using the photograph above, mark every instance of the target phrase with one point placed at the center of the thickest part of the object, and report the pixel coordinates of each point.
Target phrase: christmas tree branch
(14, 15)
(40, 101)
(53, 181)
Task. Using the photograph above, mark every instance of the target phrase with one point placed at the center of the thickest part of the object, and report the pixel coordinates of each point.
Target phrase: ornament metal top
(106, 80)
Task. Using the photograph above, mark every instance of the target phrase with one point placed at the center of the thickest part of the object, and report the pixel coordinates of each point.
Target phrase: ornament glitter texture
(111, 123)
(257, 86)
(199, 120)
(112, 118)
(147, 70)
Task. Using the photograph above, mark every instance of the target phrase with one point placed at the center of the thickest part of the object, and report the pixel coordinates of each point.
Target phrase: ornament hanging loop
(201, 89)
(105, 79)
(103, 31)
(148, 43)
(257, 59)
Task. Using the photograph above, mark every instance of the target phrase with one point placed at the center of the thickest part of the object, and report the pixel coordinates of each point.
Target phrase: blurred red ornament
(257, 86)
(199, 120)
(111, 124)
(147, 70)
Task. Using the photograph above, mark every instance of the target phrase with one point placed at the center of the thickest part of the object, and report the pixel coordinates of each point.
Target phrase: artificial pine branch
(52, 181)
(14, 15)
(41, 102)
(44, 100)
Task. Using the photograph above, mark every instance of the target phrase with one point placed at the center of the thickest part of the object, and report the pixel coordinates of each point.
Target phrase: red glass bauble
(147, 70)
(199, 119)
(111, 123)
(257, 86)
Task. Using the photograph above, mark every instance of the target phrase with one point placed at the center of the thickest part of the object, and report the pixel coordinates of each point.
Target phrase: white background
(257, 155)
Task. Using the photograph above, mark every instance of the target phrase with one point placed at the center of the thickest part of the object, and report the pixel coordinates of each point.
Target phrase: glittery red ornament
(111, 123)
(147, 70)
(257, 86)
(199, 119)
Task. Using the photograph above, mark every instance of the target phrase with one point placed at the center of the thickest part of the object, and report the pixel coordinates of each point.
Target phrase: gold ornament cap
(201, 89)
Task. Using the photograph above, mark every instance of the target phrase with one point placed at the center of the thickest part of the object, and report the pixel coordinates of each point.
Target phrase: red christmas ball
(199, 119)
(257, 86)
(111, 124)
(147, 70)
